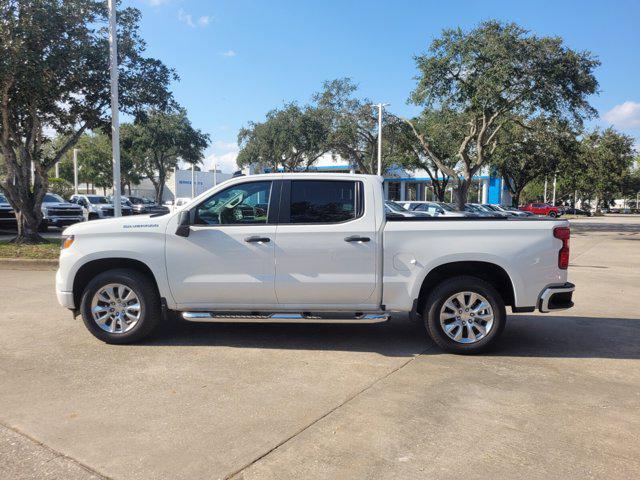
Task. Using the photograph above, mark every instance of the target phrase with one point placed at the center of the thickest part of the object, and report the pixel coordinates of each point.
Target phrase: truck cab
(311, 248)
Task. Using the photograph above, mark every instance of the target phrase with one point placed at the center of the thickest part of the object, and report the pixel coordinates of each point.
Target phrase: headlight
(67, 242)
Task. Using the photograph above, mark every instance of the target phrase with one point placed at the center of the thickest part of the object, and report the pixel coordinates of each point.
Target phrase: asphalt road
(558, 399)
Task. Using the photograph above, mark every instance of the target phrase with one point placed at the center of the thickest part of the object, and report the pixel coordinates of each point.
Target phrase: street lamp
(115, 121)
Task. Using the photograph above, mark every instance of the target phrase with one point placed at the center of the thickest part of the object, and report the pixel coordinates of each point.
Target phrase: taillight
(563, 233)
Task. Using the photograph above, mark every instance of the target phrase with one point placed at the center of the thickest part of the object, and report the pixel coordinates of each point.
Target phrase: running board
(228, 317)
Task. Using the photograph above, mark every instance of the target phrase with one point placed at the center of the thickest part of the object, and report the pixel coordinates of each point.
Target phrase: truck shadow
(524, 336)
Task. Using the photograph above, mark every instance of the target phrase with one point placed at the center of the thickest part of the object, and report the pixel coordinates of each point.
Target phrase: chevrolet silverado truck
(58, 213)
(304, 247)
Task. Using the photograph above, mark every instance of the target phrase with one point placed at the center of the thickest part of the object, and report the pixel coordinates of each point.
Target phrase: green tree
(293, 138)
(604, 162)
(54, 75)
(530, 151)
(159, 140)
(353, 125)
(494, 75)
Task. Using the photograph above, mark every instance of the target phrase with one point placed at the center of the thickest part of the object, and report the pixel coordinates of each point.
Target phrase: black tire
(142, 286)
(92, 216)
(553, 214)
(444, 291)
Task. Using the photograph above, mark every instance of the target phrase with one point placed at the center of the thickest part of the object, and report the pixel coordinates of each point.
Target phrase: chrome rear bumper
(557, 297)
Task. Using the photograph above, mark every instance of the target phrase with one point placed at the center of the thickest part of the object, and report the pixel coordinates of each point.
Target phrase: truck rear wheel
(120, 306)
(553, 214)
(465, 315)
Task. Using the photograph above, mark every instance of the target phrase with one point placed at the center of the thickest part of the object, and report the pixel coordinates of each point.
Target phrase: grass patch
(48, 250)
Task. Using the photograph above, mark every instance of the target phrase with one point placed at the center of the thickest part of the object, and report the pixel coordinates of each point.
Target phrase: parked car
(393, 208)
(516, 211)
(500, 209)
(542, 209)
(322, 251)
(475, 210)
(7, 215)
(56, 212)
(98, 206)
(492, 210)
(143, 205)
(577, 211)
(436, 210)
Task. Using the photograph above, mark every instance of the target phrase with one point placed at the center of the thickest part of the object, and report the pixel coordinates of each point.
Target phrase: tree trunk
(515, 200)
(28, 226)
(462, 192)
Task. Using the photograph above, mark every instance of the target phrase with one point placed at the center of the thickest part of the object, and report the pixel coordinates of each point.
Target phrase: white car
(98, 206)
(58, 213)
(304, 247)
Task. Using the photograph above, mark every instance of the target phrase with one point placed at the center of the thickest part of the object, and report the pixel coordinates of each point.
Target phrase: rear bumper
(557, 297)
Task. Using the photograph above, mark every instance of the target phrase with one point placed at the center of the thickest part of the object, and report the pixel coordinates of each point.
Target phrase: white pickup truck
(311, 248)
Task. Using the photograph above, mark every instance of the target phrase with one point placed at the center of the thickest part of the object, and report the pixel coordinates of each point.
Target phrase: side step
(238, 317)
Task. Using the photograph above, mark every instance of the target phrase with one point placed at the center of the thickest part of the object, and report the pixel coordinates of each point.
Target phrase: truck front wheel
(120, 306)
(465, 315)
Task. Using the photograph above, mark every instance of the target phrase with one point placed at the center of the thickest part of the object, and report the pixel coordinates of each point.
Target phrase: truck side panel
(526, 250)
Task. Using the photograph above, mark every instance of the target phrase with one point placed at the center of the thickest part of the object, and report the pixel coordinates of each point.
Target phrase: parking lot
(559, 398)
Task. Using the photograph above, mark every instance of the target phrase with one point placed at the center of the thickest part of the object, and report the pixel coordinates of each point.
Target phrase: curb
(28, 264)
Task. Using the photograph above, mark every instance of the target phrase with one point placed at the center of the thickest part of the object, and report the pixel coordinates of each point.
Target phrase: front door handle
(356, 238)
(257, 239)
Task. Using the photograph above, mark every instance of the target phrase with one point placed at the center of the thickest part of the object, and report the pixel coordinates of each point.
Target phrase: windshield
(3, 199)
(472, 208)
(394, 207)
(98, 199)
(52, 197)
(448, 208)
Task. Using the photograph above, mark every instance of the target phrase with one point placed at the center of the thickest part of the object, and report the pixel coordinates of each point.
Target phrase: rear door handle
(357, 238)
(257, 239)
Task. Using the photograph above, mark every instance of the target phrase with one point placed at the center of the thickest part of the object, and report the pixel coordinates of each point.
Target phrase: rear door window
(325, 201)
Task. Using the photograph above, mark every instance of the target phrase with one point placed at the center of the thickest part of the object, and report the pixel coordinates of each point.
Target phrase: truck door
(326, 244)
(228, 258)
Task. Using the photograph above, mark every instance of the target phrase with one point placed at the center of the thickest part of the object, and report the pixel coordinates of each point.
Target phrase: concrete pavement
(559, 398)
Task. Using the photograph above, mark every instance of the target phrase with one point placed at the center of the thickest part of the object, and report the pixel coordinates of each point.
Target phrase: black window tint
(243, 204)
(323, 201)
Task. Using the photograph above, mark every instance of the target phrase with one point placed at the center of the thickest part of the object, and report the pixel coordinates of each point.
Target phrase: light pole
(554, 191)
(380, 107)
(193, 180)
(75, 171)
(115, 121)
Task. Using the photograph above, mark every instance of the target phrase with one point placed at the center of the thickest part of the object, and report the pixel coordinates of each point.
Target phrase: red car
(541, 209)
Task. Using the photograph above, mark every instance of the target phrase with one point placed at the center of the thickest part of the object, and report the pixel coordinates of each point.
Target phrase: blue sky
(237, 59)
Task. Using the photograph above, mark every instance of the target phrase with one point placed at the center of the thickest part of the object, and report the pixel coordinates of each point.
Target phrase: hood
(130, 223)
(59, 205)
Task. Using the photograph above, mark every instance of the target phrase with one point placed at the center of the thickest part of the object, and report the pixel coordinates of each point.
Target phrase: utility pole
(545, 190)
(57, 171)
(554, 191)
(115, 121)
(193, 180)
(215, 172)
(380, 107)
(75, 171)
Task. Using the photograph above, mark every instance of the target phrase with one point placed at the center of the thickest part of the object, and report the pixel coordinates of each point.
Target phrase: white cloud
(156, 3)
(188, 19)
(185, 17)
(204, 20)
(625, 115)
(229, 53)
(223, 157)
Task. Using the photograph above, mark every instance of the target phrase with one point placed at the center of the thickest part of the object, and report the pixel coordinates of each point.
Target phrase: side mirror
(184, 220)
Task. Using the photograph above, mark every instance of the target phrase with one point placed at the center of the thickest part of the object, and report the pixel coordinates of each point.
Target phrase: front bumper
(63, 221)
(65, 299)
(556, 297)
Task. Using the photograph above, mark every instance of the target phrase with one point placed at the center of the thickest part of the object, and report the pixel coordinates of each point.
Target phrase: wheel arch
(487, 271)
(92, 268)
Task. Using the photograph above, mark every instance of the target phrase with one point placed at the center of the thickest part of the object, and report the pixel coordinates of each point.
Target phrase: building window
(394, 191)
